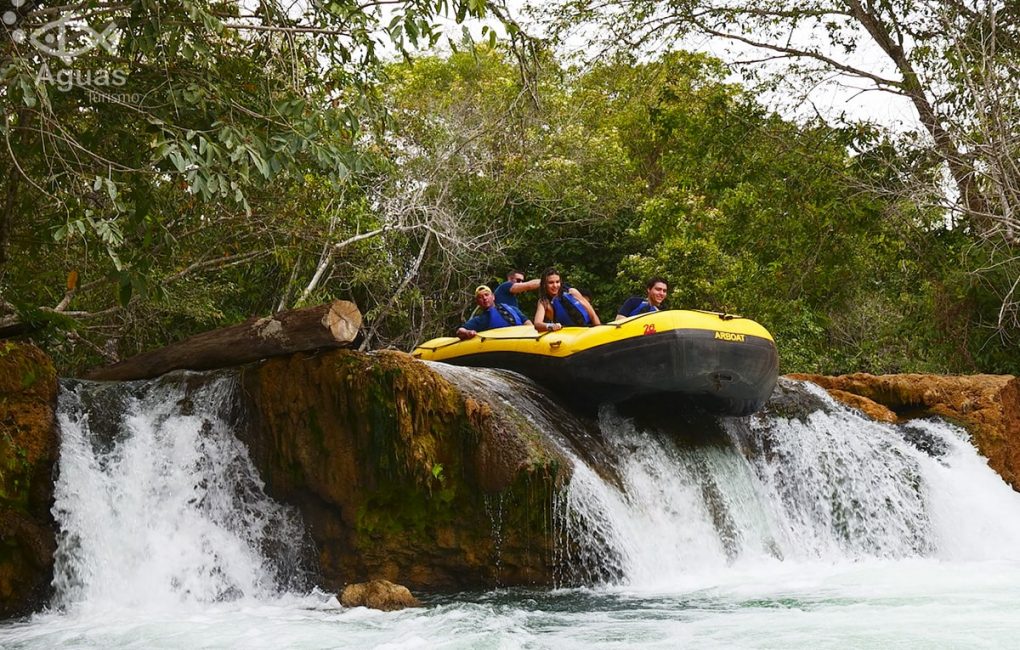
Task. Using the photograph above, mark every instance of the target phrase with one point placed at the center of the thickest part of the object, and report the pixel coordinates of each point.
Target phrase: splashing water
(161, 504)
(817, 529)
(828, 486)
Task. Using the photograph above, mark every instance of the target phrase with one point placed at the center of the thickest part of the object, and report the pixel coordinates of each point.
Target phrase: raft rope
(617, 325)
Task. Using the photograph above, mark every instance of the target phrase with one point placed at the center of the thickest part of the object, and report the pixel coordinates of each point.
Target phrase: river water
(817, 530)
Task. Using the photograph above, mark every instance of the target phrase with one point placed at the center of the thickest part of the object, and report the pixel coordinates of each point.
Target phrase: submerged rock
(988, 406)
(378, 594)
(28, 451)
(399, 475)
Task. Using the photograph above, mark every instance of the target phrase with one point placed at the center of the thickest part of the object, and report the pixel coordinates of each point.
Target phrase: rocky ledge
(400, 476)
(28, 451)
(988, 406)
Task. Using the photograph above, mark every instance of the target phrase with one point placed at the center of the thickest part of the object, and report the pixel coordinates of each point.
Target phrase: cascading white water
(160, 504)
(818, 529)
(677, 514)
(827, 486)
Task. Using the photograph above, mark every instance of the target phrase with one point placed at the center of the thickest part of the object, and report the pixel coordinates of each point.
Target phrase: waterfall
(821, 485)
(803, 526)
(158, 502)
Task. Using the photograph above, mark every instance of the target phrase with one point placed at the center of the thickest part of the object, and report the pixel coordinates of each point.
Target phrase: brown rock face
(378, 594)
(400, 476)
(872, 409)
(988, 406)
(28, 451)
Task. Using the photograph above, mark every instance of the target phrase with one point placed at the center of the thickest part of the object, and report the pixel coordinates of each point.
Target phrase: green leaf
(116, 260)
(124, 290)
(28, 96)
(178, 160)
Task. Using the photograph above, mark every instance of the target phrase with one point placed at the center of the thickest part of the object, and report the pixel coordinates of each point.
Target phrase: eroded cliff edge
(400, 476)
(28, 451)
(988, 406)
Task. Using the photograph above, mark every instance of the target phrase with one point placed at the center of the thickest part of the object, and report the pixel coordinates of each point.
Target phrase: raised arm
(521, 287)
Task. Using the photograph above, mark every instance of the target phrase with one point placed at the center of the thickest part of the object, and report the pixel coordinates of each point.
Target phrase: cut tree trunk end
(333, 325)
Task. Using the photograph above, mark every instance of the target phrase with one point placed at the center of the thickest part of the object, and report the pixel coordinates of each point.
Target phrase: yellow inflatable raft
(725, 364)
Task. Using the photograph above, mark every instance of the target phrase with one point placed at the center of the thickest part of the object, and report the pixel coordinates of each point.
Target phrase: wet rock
(790, 401)
(401, 476)
(28, 452)
(923, 440)
(378, 594)
(870, 408)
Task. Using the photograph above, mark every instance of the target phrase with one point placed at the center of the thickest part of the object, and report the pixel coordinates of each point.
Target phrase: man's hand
(464, 334)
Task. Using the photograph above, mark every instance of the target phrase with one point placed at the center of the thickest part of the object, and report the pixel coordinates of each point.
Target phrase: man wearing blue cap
(493, 315)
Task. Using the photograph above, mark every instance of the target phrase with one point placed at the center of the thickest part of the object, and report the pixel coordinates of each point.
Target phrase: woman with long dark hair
(560, 305)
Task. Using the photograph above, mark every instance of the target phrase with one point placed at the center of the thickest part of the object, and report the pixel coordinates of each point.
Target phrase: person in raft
(493, 315)
(560, 305)
(655, 293)
(506, 293)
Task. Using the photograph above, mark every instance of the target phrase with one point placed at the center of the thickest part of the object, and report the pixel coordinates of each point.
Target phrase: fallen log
(332, 325)
(11, 328)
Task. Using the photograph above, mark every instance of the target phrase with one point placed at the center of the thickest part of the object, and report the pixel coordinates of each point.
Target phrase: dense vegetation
(245, 170)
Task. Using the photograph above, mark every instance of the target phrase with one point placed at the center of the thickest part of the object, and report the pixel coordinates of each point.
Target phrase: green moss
(30, 376)
(398, 511)
(24, 369)
(315, 428)
(400, 514)
(15, 472)
(401, 459)
(27, 390)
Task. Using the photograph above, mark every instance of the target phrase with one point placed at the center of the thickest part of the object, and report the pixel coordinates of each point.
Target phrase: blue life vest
(642, 307)
(568, 311)
(501, 316)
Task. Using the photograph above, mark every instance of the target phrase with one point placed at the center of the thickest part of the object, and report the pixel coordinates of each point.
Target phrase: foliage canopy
(249, 161)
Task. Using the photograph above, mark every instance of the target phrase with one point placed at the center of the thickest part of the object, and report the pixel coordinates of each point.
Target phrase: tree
(746, 212)
(531, 167)
(953, 61)
(139, 135)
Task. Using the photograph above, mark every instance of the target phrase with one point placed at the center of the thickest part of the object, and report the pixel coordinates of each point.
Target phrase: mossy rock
(400, 476)
(28, 452)
(28, 444)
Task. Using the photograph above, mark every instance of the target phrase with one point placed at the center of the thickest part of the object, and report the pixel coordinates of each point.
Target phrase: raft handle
(719, 378)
